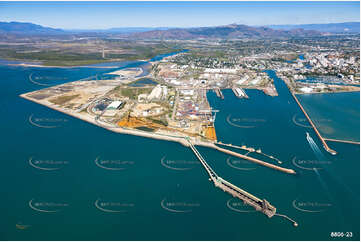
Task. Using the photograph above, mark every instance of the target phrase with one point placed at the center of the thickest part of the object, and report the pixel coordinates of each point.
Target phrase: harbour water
(65, 179)
(337, 115)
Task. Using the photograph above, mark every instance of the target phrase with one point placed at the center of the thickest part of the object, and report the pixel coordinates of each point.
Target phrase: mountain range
(231, 31)
(27, 29)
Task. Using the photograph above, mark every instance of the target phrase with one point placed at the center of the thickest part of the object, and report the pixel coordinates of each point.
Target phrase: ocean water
(65, 179)
(336, 115)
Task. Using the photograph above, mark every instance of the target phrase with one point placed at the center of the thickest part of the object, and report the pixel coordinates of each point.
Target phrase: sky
(103, 15)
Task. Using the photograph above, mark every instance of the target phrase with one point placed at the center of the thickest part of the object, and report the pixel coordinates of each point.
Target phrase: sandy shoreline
(115, 129)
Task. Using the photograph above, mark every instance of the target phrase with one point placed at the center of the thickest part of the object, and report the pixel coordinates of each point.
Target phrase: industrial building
(114, 105)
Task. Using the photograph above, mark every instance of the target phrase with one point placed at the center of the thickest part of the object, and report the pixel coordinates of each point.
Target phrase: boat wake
(323, 184)
(321, 157)
(315, 148)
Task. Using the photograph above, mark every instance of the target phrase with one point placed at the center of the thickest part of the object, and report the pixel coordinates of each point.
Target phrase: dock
(328, 149)
(239, 92)
(260, 205)
(219, 93)
(248, 149)
(343, 141)
(254, 160)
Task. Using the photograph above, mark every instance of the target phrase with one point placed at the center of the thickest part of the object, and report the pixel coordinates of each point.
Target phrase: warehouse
(115, 105)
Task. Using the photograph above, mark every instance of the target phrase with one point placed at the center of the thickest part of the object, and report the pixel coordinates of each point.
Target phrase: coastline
(160, 134)
(113, 129)
(150, 61)
(65, 67)
(174, 138)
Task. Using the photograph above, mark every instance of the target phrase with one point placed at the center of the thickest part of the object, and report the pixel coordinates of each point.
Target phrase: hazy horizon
(106, 15)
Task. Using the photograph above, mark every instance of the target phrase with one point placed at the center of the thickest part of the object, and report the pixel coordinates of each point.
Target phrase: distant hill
(134, 29)
(348, 27)
(27, 28)
(227, 31)
(120, 30)
(232, 31)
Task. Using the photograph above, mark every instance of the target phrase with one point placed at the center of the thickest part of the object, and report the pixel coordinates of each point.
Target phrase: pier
(219, 93)
(343, 141)
(249, 150)
(261, 205)
(254, 160)
(239, 92)
(328, 149)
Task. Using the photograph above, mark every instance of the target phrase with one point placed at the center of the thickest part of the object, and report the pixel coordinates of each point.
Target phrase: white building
(187, 92)
(306, 89)
(256, 81)
(241, 81)
(158, 92)
(114, 105)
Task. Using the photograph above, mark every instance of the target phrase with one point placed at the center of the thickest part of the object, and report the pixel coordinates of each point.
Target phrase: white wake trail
(315, 148)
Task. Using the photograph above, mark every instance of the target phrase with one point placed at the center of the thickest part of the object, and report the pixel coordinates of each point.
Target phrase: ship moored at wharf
(239, 92)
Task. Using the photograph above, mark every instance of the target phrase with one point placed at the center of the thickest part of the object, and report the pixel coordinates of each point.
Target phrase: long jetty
(254, 160)
(261, 205)
(328, 149)
(343, 141)
(259, 162)
(249, 150)
(236, 146)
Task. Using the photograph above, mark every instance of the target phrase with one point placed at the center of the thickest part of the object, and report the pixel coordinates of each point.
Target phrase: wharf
(261, 205)
(343, 141)
(254, 160)
(219, 93)
(239, 92)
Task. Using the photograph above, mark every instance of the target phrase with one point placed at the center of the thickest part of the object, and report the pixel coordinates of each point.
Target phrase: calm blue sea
(337, 115)
(65, 179)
